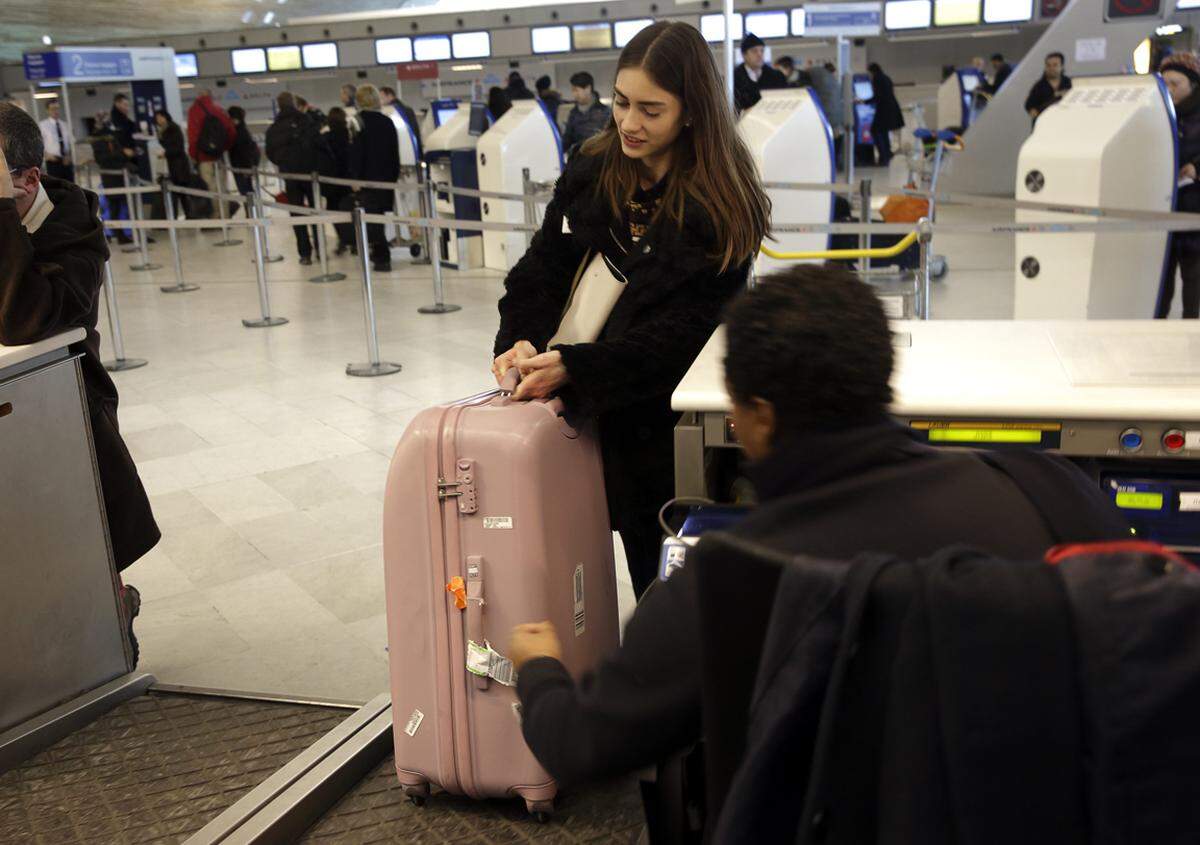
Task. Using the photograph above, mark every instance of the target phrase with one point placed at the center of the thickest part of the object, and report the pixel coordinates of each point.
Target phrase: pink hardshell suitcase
(494, 515)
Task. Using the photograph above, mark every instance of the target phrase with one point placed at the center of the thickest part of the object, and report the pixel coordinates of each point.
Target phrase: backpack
(213, 140)
(290, 144)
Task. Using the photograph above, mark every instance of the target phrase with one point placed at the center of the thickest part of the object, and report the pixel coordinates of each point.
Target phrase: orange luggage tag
(458, 588)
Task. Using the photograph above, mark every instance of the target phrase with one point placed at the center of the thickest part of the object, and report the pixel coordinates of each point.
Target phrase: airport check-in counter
(1121, 398)
(773, 129)
(1110, 143)
(450, 152)
(864, 118)
(59, 618)
(524, 138)
(956, 106)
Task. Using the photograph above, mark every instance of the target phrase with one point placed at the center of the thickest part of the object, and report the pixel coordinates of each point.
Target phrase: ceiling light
(247, 16)
(466, 67)
(268, 17)
(49, 95)
(47, 40)
(1169, 29)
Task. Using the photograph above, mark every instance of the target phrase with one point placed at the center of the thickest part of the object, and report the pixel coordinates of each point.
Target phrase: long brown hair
(711, 165)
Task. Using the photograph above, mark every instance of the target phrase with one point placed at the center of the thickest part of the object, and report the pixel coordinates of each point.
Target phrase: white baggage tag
(486, 662)
(479, 659)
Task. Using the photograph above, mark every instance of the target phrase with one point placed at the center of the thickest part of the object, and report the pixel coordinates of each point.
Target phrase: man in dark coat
(1181, 72)
(517, 89)
(1001, 71)
(589, 116)
(1050, 88)
(808, 364)
(888, 116)
(375, 157)
(52, 255)
(292, 147)
(754, 75)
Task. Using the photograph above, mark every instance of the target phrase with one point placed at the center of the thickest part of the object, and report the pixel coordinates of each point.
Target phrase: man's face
(753, 426)
(1054, 67)
(347, 96)
(387, 98)
(582, 96)
(123, 107)
(997, 64)
(754, 57)
(53, 110)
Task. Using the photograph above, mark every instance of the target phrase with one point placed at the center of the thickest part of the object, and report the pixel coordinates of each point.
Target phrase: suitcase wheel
(540, 810)
(418, 794)
(414, 250)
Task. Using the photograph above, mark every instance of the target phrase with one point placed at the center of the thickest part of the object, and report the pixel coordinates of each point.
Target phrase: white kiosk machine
(1110, 142)
(1120, 398)
(775, 129)
(450, 152)
(523, 138)
(956, 105)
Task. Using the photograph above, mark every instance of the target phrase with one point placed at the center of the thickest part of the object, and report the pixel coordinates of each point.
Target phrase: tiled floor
(266, 463)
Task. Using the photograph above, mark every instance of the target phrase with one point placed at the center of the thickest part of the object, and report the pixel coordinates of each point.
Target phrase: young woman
(333, 159)
(174, 150)
(651, 230)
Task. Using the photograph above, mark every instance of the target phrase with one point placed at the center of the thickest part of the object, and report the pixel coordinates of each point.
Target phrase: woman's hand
(521, 351)
(1188, 171)
(541, 376)
(531, 641)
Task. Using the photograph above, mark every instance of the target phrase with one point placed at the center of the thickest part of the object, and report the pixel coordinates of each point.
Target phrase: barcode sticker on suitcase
(414, 722)
(580, 613)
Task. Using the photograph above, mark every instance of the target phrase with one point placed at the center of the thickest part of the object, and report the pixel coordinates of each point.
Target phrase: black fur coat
(673, 303)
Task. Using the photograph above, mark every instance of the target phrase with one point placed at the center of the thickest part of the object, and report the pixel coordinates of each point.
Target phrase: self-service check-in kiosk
(1110, 142)
(525, 138)
(450, 152)
(1121, 398)
(864, 117)
(956, 99)
(774, 129)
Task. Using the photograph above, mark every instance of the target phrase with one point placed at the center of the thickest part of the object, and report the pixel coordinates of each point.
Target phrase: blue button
(1131, 439)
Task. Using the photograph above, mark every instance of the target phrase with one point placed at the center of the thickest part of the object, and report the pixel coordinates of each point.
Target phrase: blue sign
(842, 19)
(79, 64)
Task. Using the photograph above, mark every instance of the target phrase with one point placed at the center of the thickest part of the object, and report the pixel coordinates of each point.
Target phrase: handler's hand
(522, 350)
(533, 640)
(541, 376)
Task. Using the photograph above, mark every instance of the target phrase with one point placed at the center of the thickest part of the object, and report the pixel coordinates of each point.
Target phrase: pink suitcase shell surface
(508, 497)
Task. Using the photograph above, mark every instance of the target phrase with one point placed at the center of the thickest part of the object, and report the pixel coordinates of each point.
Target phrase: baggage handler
(650, 232)
(808, 365)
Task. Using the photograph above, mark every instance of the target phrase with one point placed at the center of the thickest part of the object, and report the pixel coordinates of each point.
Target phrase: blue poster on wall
(148, 97)
(79, 64)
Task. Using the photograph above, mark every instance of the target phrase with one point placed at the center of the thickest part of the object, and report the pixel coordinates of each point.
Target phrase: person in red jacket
(202, 109)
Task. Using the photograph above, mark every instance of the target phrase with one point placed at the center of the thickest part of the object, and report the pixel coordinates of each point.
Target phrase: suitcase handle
(508, 384)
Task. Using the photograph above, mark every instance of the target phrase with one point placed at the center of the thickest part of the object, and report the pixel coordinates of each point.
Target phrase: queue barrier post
(137, 233)
(527, 188)
(260, 272)
(138, 212)
(864, 240)
(426, 210)
(120, 362)
(180, 285)
(374, 366)
(440, 306)
(261, 214)
(219, 166)
(924, 265)
(322, 252)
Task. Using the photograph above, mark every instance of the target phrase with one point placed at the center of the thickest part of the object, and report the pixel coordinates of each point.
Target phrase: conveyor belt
(377, 811)
(155, 769)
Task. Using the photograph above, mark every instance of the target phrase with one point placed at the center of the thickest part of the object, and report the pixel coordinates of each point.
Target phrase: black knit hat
(751, 41)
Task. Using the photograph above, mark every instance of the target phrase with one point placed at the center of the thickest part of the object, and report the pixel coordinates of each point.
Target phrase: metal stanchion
(325, 276)
(114, 327)
(137, 233)
(260, 212)
(864, 240)
(260, 271)
(426, 210)
(169, 212)
(530, 207)
(924, 240)
(137, 212)
(374, 366)
(435, 260)
(220, 191)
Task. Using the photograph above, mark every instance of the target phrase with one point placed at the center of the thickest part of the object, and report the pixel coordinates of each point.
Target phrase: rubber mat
(377, 811)
(155, 769)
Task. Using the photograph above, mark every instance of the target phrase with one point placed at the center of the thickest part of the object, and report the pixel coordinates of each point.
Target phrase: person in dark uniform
(808, 363)
(1001, 71)
(888, 116)
(333, 159)
(667, 203)
(292, 147)
(52, 255)
(498, 102)
(1050, 88)
(517, 89)
(1181, 73)
(754, 75)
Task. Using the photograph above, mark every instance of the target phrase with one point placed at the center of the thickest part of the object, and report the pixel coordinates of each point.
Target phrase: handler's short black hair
(813, 341)
(21, 138)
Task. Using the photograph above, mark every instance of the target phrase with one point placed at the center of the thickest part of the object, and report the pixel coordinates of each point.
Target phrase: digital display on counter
(984, 435)
(1132, 500)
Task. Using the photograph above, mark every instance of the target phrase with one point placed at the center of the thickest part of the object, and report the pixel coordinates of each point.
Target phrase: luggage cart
(925, 166)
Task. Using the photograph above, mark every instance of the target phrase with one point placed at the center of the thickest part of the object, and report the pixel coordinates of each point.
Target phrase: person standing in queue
(650, 232)
(1181, 73)
(292, 147)
(375, 157)
(888, 116)
(174, 150)
(244, 154)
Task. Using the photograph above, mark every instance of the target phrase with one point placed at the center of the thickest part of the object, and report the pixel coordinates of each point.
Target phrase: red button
(1173, 441)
